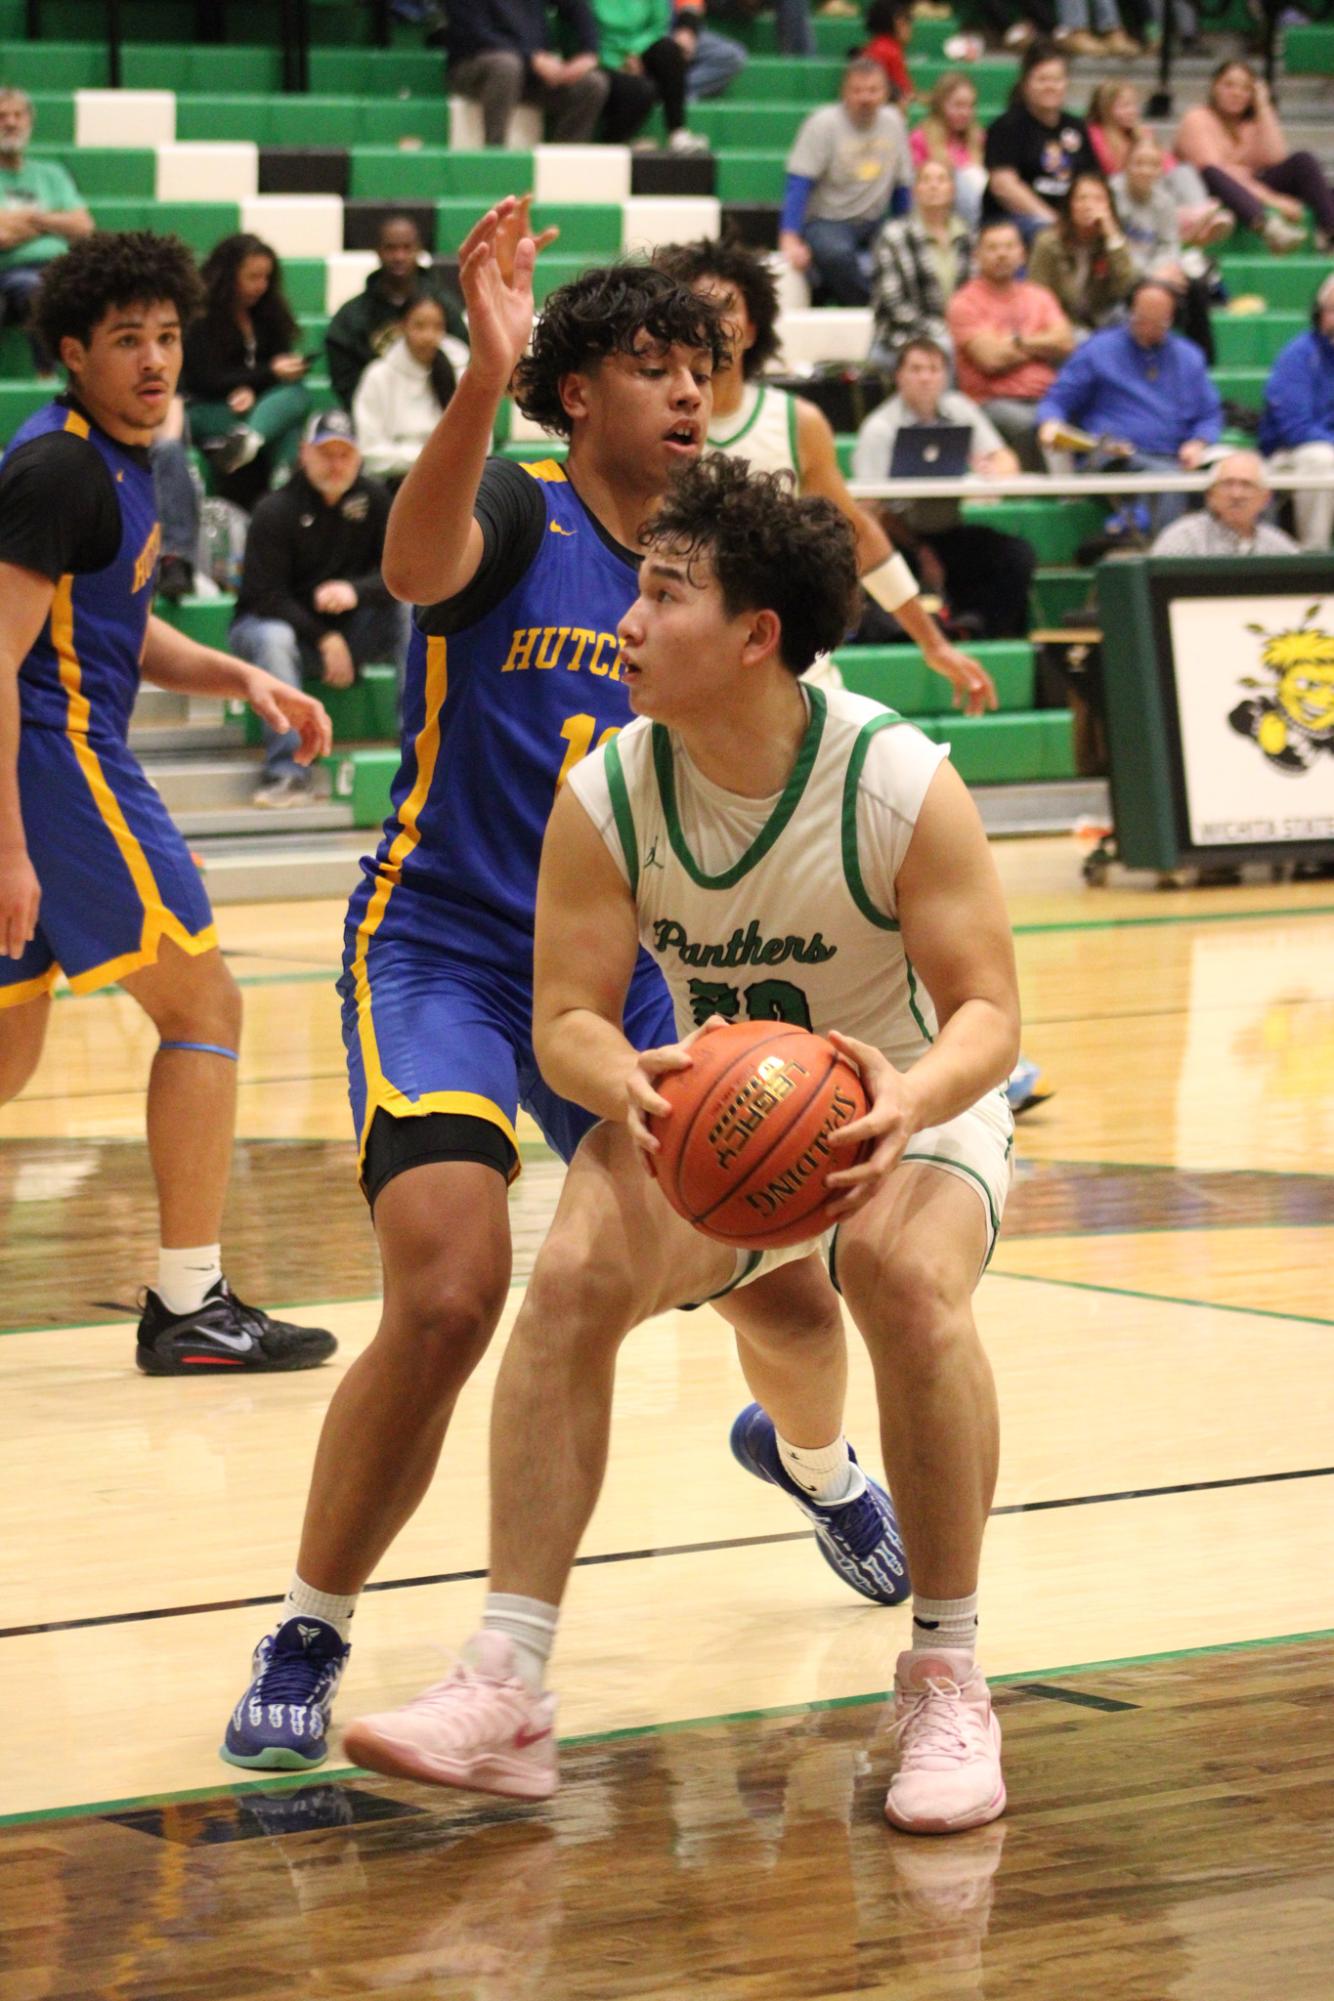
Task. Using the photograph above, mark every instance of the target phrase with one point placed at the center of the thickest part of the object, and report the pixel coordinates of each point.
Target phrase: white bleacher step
(165, 739)
(321, 816)
(1048, 806)
(186, 783)
(281, 866)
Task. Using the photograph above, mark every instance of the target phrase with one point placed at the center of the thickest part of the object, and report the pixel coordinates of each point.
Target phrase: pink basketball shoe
(482, 1729)
(949, 1774)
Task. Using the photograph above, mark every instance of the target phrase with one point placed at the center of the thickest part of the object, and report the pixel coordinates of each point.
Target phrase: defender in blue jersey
(521, 577)
(95, 881)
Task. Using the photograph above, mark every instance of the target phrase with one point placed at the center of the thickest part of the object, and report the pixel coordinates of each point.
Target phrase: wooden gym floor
(1155, 1594)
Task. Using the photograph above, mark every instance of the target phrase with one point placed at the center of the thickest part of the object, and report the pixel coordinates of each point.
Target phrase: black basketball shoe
(224, 1333)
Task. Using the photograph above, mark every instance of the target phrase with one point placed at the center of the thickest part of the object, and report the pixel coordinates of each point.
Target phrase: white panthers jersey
(778, 909)
(762, 431)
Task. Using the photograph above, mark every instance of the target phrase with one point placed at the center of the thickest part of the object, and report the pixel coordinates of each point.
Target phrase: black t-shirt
(513, 519)
(1047, 157)
(58, 508)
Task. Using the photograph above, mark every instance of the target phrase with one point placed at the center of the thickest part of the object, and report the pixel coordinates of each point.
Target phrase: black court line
(644, 1555)
(1076, 1696)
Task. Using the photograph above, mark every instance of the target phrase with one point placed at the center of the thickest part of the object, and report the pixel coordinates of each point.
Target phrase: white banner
(1255, 697)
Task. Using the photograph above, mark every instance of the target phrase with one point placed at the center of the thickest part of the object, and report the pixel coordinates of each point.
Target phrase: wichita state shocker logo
(1292, 721)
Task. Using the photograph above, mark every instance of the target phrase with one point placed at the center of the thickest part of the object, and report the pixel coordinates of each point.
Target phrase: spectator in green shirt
(41, 214)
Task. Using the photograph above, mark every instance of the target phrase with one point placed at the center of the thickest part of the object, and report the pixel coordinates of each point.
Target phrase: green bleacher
(387, 108)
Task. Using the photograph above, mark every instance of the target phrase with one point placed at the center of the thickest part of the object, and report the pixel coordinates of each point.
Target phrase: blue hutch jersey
(494, 716)
(82, 672)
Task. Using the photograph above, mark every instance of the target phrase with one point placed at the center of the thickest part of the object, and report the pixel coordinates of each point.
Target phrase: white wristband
(891, 583)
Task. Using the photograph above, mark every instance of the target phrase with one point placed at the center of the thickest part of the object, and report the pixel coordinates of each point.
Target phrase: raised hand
(496, 274)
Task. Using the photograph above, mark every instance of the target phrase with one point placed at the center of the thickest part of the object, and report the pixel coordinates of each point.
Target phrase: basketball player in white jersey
(776, 432)
(782, 853)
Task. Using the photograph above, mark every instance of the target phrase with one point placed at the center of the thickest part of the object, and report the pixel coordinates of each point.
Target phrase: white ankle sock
(304, 1601)
(825, 1472)
(944, 1622)
(183, 1277)
(530, 1625)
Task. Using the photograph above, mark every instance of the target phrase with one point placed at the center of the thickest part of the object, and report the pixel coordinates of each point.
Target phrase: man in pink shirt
(1010, 336)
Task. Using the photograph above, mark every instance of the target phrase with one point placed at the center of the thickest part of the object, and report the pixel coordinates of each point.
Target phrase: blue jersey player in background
(95, 881)
(521, 576)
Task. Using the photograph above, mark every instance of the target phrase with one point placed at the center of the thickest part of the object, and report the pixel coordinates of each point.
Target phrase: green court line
(322, 1775)
(1020, 931)
(1164, 1298)
(1199, 917)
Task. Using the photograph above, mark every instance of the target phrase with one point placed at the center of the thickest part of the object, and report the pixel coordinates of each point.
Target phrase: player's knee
(447, 1317)
(20, 1048)
(578, 1293)
(199, 1001)
(911, 1303)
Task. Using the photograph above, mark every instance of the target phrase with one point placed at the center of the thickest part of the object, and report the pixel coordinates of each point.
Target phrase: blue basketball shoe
(860, 1540)
(280, 1721)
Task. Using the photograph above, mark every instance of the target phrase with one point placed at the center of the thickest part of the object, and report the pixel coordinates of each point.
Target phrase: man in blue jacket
(499, 52)
(1144, 385)
(1297, 428)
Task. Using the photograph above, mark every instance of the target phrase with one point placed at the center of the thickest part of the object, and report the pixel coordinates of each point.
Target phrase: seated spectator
(1297, 427)
(1149, 216)
(849, 163)
(1103, 35)
(312, 601)
(978, 570)
(499, 53)
(713, 61)
(1084, 258)
(792, 20)
(1036, 147)
(950, 132)
(367, 327)
(177, 497)
(1010, 336)
(1236, 141)
(401, 396)
(1115, 123)
(1229, 523)
(1139, 385)
(646, 66)
(889, 31)
(243, 372)
(920, 262)
(41, 214)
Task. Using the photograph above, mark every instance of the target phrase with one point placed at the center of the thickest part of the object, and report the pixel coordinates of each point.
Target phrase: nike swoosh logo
(523, 1738)
(243, 1343)
(556, 529)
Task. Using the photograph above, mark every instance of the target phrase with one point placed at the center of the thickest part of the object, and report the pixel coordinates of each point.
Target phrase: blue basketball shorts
(431, 1028)
(116, 876)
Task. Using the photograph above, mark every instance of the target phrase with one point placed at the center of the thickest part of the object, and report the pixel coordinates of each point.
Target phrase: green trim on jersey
(952, 1166)
(773, 826)
(726, 444)
(792, 437)
(625, 819)
(852, 868)
(916, 1012)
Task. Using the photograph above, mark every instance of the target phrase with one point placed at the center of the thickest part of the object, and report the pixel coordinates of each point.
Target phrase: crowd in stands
(1042, 282)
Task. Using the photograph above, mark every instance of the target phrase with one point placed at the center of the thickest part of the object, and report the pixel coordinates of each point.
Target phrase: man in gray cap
(1229, 523)
(312, 603)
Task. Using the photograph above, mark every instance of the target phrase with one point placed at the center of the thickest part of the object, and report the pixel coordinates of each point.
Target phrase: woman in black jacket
(243, 373)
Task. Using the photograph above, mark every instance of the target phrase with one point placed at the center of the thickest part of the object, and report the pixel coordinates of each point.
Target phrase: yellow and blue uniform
(508, 685)
(116, 877)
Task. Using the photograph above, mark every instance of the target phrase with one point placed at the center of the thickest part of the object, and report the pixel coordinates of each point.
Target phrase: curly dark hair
(110, 268)
(734, 263)
(602, 312)
(771, 550)
(273, 319)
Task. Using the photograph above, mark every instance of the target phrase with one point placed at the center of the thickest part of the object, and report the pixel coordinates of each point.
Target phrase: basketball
(745, 1154)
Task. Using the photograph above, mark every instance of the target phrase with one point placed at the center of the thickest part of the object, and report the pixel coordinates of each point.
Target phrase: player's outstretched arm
(25, 600)
(584, 952)
(883, 573)
(433, 545)
(956, 934)
(171, 660)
